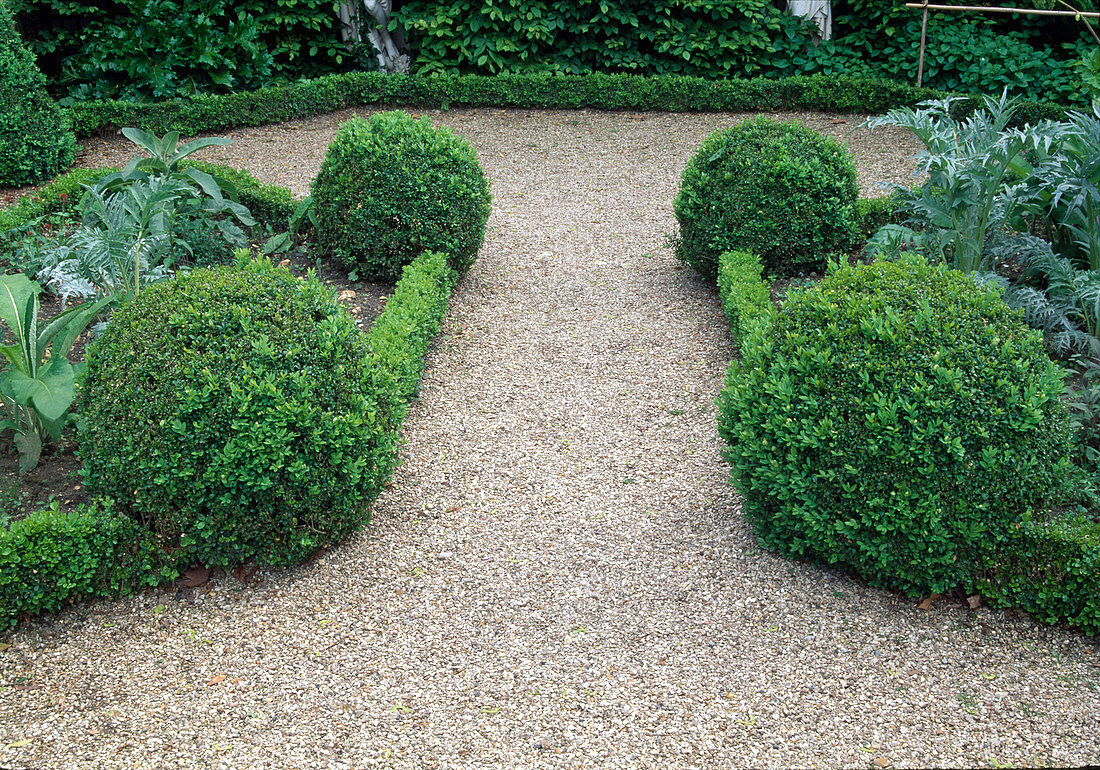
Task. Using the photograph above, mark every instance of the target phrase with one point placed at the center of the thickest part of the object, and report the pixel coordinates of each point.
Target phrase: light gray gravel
(559, 575)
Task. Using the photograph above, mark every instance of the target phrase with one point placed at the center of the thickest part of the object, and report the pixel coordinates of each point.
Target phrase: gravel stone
(560, 575)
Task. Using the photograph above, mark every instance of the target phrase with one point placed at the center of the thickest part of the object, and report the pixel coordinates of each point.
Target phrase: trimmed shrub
(228, 409)
(36, 140)
(780, 190)
(392, 187)
(896, 419)
(746, 299)
(50, 558)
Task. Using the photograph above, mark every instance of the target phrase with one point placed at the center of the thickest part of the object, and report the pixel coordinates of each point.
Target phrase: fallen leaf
(20, 744)
(245, 573)
(217, 679)
(196, 576)
(974, 601)
(880, 762)
(927, 603)
(4, 647)
(837, 122)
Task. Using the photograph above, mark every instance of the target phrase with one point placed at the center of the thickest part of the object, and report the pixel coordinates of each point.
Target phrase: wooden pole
(992, 9)
(923, 37)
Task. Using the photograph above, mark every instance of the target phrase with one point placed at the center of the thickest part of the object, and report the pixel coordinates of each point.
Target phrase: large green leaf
(68, 325)
(143, 139)
(195, 145)
(29, 445)
(19, 310)
(51, 392)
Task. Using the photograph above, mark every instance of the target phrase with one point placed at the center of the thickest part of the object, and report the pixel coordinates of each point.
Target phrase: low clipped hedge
(1051, 569)
(399, 338)
(51, 558)
(895, 419)
(746, 299)
(668, 93)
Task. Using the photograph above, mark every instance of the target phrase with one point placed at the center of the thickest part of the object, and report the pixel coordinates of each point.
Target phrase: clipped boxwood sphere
(392, 187)
(779, 190)
(36, 141)
(896, 419)
(228, 410)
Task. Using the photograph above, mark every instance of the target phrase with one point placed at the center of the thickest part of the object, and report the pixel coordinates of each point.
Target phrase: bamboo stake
(995, 9)
(923, 37)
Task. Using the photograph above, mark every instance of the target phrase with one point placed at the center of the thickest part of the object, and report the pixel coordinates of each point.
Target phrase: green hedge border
(745, 296)
(1052, 571)
(666, 93)
(51, 559)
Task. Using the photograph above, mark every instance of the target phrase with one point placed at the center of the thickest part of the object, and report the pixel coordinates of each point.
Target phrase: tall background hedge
(162, 48)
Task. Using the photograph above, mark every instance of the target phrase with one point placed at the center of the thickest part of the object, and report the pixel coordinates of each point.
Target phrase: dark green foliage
(967, 53)
(963, 55)
(668, 93)
(160, 49)
(229, 410)
(36, 140)
(780, 190)
(1050, 568)
(50, 558)
(896, 419)
(206, 246)
(723, 38)
(165, 48)
(392, 187)
(745, 297)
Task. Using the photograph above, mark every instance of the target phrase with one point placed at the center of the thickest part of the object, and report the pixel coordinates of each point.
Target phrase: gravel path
(559, 575)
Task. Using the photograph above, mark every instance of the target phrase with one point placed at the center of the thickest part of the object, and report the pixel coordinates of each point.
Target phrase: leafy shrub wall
(966, 53)
(717, 38)
(141, 49)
